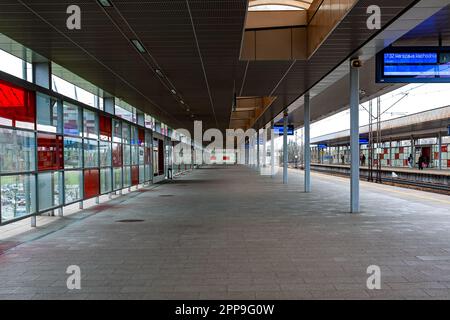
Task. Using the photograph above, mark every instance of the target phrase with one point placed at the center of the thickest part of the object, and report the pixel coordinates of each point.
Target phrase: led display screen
(413, 65)
(279, 130)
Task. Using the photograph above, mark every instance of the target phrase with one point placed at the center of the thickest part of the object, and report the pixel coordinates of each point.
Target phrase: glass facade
(54, 152)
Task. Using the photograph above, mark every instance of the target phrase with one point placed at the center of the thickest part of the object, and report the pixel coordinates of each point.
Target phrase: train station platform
(229, 233)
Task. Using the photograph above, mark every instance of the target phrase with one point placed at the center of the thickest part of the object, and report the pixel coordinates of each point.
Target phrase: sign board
(279, 130)
(413, 65)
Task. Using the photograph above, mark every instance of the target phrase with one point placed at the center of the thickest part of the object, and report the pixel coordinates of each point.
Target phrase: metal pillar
(285, 147)
(440, 151)
(307, 146)
(258, 159)
(354, 138)
(264, 152)
(272, 150)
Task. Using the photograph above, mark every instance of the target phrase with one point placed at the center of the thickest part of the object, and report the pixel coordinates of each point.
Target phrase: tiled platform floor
(228, 233)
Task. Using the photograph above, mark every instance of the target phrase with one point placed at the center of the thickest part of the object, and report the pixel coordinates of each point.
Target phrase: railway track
(423, 186)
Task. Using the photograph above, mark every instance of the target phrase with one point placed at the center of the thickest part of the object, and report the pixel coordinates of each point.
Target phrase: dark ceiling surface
(196, 43)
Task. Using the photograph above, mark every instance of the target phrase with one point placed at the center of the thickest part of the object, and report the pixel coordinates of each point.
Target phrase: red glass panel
(117, 155)
(402, 150)
(105, 127)
(134, 175)
(17, 106)
(448, 163)
(91, 183)
(405, 163)
(444, 148)
(50, 152)
(141, 137)
(397, 156)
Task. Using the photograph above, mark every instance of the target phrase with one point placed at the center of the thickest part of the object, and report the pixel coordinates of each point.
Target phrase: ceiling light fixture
(182, 102)
(159, 73)
(105, 3)
(173, 91)
(138, 45)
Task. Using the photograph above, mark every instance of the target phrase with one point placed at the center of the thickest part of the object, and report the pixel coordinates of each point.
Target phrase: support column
(272, 150)
(264, 153)
(285, 147)
(258, 159)
(307, 146)
(354, 138)
(440, 151)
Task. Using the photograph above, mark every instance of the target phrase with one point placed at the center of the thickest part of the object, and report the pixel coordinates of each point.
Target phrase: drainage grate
(130, 220)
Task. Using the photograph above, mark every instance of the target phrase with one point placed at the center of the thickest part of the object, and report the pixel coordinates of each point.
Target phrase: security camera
(356, 63)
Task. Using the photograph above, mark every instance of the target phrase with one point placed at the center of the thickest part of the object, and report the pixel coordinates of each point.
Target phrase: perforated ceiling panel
(195, 43)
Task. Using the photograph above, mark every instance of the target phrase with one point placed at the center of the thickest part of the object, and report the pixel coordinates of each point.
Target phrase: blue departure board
(412, 65)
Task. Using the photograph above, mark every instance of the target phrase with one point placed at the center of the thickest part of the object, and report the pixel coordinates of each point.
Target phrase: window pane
(134, 155)
(91, 183)
(148, 172)
(126, 154)
(17, 151)
(127, 176)
(117, 131)
(90, 153)
(72, 185)
(125, 132)
(134, 135)
(49, 190)
(17, 106)
(72, 153)
(71, 120)
(105, 180)
(47, 113)
(141, 155)
(141, 174)
(117, 178)
(105, 128)
(50, 152)
(105, 154)
(18, 196)
(90, 124)
(117, 155)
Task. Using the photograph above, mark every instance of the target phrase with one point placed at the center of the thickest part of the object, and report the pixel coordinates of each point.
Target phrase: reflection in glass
(90, 124)
(17, 151)
(105, 154)
(105, 180)
(47, 113)
(18, 198)
(71, 120)
(117, 176)
(49, 190)
(72, 186)
(72, 153)
(90, 153)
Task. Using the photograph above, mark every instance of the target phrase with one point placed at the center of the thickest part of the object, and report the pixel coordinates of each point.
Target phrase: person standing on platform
(421, 162)
(410, 161)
